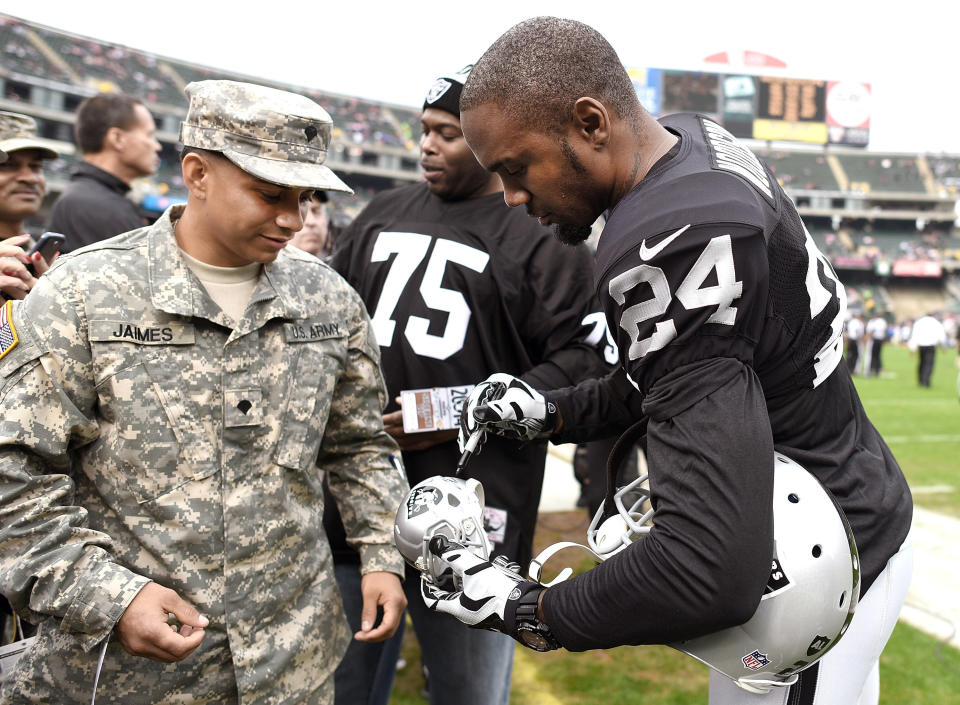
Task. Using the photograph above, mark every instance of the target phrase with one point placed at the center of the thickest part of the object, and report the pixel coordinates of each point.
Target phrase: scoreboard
(762, 107)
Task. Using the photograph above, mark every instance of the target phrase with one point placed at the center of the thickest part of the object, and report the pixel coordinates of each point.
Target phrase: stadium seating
(21, 55)
(800, 170)
(102, 66)
(868, 300)
(877, 173)
(105, 66)
(863, 209)
(946, 172)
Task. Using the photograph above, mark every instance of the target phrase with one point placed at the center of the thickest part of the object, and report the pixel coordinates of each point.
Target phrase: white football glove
(488, 588)
(508, 406)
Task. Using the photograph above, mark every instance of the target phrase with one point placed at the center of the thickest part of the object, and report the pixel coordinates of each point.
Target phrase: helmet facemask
(608, 535)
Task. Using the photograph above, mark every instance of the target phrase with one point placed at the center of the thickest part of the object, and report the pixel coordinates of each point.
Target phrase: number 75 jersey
(706, 258)
(458, 290)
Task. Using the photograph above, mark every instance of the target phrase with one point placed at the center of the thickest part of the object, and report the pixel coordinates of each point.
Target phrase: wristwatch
(527, 628)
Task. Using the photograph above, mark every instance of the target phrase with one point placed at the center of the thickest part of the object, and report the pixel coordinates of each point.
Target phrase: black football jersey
(728, 321)
(458, 290)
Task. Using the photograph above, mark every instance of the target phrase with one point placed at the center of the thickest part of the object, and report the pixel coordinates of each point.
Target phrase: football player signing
(728, 322)
(460, 286)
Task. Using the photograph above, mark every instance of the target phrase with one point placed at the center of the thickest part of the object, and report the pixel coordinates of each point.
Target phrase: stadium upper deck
(844, 192)
(47, 73)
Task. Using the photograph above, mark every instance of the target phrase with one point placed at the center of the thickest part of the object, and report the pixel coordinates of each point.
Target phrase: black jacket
(92, 208)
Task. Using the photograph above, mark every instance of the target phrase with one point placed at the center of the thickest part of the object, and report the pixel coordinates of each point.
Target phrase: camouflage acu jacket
(142, 438)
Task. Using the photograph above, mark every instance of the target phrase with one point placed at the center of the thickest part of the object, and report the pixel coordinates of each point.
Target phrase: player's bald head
(538, 69)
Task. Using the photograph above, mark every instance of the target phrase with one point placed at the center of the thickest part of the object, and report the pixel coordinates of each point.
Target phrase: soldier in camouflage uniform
(160, 455)
(22, 188)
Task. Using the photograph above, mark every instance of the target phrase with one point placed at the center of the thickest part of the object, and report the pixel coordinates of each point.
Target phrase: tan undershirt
(229, 287)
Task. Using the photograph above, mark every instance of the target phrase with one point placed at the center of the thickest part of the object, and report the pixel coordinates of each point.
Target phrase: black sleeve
(561, 279)
(342, 258)
(596, 408)
(704, 565)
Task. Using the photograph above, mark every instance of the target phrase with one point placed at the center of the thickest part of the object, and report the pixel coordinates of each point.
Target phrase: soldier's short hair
(97, 114)
(209, 153)
(538, 69)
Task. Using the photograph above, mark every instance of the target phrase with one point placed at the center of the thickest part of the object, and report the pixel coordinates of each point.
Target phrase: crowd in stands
(21, 56)
(800, 170)
(830, 244)
(873, 173)
(359, 121)
(867, 300)
(872, 244)
(946, 172)
(103, 65)
(926, 246)
(28, 49)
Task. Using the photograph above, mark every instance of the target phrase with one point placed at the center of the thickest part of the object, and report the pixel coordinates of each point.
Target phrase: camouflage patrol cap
(20, 132)
(275, 135)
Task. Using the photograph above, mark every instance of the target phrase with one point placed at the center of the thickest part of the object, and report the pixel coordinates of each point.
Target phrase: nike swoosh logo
(648, 253)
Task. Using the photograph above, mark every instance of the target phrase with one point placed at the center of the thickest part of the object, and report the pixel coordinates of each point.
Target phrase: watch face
(534, 640)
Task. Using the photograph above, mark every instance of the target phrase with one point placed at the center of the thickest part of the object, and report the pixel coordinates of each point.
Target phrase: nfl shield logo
(755, 660)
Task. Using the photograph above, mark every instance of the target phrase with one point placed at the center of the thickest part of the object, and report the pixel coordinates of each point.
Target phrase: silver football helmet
(609, 536)
(809, 600)
(440, 505)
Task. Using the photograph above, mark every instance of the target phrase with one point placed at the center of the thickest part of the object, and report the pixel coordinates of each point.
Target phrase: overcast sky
(392, 51)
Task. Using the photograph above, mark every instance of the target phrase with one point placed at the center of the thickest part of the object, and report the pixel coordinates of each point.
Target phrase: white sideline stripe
(932, 489)
(942, 438)
(937, 401)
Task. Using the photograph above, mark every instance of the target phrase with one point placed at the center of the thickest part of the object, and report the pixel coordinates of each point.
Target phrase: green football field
(922, 428)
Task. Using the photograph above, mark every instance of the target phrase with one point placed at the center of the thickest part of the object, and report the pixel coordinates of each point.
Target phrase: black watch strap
(520, 618)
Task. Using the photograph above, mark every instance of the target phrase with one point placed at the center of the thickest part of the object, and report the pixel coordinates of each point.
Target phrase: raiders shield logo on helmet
(437, 90)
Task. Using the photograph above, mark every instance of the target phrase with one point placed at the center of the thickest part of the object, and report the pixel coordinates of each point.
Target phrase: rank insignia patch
(8, 334)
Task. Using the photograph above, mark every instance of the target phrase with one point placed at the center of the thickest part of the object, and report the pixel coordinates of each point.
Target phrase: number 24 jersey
(716, 294)
(708, 258)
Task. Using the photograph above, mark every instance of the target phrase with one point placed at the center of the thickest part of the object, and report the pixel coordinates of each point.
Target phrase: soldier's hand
(416, 441)
(143, 628)
(393, 424)
(15, 278)
(380, 589)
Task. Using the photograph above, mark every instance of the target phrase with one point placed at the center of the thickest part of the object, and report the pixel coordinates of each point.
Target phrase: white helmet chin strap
(762, 686)
(606, 537)
(536, 565)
